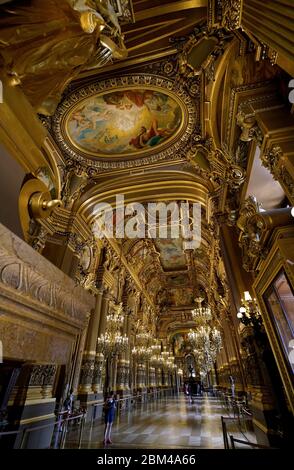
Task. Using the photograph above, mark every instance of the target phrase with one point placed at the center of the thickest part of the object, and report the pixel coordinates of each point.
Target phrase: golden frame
(178, 144)
(280, 257)
(167, 143)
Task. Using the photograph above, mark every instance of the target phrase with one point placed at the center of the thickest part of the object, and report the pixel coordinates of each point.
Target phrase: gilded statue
(44, 45)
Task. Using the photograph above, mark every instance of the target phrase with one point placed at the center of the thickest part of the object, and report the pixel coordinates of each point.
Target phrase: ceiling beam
(169, 8)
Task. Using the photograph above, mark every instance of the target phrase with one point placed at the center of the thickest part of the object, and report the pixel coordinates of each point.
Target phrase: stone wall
(42, 311)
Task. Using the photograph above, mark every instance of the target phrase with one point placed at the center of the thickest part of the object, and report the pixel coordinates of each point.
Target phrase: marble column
(99, 358)
(164, 377)
(120, 379)
(114, 370)
(152, 379)
(158, 375)
(127, 330)
(141, 372)
(88, 363)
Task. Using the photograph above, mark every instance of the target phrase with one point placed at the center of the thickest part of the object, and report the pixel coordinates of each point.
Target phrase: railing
(246, 443)
(233, 404)
(66, 422)
(60, 429)
(240, 425)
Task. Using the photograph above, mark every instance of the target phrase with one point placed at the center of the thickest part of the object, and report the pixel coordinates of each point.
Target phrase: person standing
(68, 402)
(109, 410)
(232, 383)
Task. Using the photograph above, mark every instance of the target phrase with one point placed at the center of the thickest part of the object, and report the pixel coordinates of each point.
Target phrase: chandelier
(201, 315)
(113, 342)
(156, 358)
(200, 338)
(170, 363)
(141, 353)
(143, 338)
(156, 348)
(167, 360)
(165, 355)
(193, 338)
(216, 339)
(206, 342)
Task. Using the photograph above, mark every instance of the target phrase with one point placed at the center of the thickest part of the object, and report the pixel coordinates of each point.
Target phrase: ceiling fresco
(112, 123)
(177, 279)
(171, 253)
(124, 122)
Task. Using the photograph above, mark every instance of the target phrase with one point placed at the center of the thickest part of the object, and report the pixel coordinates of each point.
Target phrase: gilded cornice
(170, 190)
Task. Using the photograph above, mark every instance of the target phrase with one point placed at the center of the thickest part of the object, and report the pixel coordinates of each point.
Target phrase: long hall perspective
(147, 224)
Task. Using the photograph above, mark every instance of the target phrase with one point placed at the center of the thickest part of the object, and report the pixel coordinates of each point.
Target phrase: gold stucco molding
(225, 13)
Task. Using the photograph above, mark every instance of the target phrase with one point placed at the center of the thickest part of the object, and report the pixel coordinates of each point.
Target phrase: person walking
(109, 411)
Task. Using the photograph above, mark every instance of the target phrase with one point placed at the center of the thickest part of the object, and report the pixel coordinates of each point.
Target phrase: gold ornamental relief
(37, 40)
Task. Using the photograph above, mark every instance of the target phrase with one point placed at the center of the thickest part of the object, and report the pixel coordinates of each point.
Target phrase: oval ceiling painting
(124, 122)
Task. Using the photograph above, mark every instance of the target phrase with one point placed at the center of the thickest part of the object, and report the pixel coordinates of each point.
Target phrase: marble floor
(168, 423)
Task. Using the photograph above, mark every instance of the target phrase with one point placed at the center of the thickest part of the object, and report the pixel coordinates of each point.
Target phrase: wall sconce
(249, 313)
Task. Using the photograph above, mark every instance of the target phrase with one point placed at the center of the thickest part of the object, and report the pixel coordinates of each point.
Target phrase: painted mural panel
(171, 253)
(123, 121)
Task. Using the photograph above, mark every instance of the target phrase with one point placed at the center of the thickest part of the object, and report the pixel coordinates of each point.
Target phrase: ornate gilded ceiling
(132, 117)
(139, 128)
(166, 123)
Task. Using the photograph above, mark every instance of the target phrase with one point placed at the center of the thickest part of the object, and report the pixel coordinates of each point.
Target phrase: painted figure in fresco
(150, 137)
(124, 121)
(126, 99)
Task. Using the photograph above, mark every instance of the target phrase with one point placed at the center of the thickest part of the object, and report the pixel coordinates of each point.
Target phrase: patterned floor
(164, 424)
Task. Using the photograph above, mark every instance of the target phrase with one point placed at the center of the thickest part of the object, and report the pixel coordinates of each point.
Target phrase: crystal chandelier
(206, 342)
(165, 355)
(167, 360)
(199, 338)
(113, 342)
(115, 319)
(155, 348)
(170, 363)
(141, 353)
(201, 315)
(143, 338)
(216, 339)
(193, 338)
